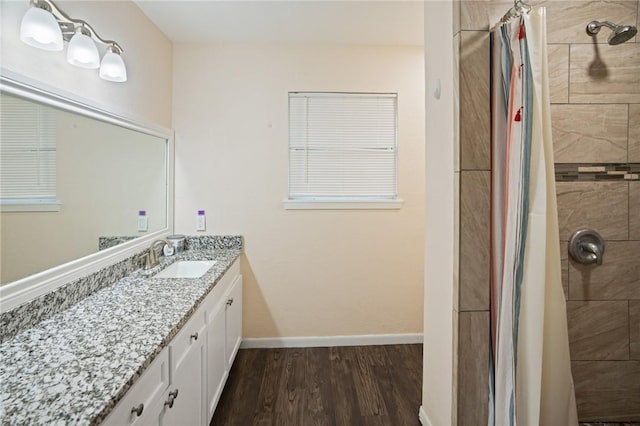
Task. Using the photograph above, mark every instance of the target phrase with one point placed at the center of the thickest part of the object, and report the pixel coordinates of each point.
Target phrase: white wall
(440, 316)
(145, 96)
(307, 273)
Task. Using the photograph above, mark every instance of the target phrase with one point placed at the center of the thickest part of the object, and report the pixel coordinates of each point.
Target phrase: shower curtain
(530, 370)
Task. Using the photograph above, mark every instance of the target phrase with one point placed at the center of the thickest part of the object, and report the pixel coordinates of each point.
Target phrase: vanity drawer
(142, 395)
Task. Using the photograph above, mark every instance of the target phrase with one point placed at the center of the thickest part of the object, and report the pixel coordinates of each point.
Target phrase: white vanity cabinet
(187, 354)
(183, 384)
(233, 320)
(216, 359)
(224, 333)
(140, 404)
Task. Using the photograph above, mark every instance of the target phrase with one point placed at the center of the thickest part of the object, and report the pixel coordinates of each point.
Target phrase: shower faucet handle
(586, 246)
(594, 250)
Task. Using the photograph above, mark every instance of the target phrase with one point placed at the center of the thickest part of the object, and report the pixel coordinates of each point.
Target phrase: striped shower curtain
(530, 370)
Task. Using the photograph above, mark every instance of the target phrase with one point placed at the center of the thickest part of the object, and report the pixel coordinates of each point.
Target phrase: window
(342, 149)
(27, 156)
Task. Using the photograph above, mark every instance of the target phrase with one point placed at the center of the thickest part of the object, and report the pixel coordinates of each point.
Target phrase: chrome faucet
(152, 260)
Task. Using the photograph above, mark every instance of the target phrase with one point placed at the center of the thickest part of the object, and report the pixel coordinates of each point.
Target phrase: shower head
(622, 34)
(619, 33)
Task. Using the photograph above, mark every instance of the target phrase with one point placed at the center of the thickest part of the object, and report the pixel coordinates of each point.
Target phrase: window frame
(343, 202)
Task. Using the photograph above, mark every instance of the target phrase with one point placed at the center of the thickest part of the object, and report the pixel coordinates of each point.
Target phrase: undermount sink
(186, 269)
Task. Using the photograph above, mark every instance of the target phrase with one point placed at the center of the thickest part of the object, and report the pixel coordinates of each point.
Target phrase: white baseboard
(325, 341)
(424, 419)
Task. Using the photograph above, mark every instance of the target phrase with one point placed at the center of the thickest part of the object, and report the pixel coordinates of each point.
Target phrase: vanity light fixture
(40, 29)
(45, 26)
(82, 51)
(112, 67)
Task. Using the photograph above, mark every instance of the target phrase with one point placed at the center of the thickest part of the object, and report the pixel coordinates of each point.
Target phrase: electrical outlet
(143, 222)
(201, 221)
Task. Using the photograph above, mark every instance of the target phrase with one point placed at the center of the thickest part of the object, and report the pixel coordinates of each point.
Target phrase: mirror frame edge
(25, 289)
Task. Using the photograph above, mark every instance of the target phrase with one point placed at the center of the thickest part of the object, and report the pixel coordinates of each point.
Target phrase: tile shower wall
(595, 95)
(597, 122)
(474, 169)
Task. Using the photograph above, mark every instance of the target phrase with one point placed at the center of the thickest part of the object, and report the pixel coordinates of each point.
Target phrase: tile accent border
(594, 172)
(28, 314)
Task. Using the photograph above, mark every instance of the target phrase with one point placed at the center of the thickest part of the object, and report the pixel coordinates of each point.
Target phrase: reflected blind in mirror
(27, 150)
(342, 146)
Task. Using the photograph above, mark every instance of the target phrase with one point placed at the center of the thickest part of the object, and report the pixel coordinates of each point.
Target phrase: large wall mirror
(75, 182)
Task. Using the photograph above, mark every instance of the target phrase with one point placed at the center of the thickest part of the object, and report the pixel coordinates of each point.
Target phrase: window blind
(27, 151)
(342, 146)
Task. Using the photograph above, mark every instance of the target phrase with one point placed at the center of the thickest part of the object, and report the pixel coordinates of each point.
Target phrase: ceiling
(397, 22)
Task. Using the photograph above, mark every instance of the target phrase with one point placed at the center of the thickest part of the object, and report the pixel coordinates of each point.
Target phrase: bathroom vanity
(87, 337)
(144, 350)
(183, 384)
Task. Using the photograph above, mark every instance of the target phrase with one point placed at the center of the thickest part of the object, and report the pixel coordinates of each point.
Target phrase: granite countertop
(74, 367)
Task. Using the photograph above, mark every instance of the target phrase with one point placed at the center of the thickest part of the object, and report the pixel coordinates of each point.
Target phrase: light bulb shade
(112, 68)
(40, 29)
(82, 52)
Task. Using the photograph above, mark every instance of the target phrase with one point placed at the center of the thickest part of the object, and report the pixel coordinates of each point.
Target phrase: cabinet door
(216, 361)
(188, 380)
(233, 321)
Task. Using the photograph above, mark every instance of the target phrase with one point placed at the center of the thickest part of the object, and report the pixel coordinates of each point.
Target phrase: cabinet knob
(169, 401)
(230, 302)
(172, 397)
(138, 410)
(194, 336)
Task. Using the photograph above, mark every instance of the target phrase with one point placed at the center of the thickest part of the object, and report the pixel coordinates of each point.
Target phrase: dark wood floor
(351, 386)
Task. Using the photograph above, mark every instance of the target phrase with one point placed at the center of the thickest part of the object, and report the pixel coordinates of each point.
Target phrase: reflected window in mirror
(27, 156)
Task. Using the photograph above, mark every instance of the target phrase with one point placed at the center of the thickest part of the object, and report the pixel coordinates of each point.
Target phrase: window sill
(342, 204)
(30, 206)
